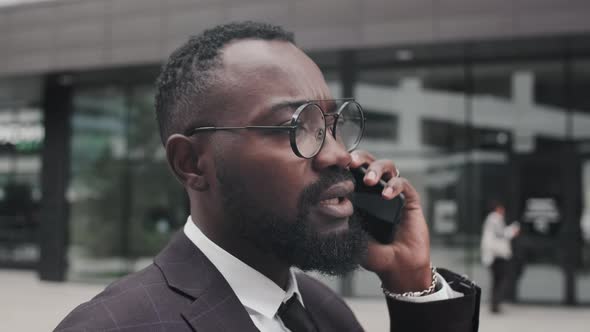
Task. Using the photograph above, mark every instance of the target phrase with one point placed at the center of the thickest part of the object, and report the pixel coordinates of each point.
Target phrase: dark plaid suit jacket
(183, 291)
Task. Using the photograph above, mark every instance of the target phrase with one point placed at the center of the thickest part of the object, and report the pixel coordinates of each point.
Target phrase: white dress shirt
(260, 296)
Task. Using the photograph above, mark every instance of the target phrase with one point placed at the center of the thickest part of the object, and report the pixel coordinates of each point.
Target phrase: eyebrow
(331, 104)
(287, 104)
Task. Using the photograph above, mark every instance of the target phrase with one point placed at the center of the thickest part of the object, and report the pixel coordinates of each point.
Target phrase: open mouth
(335, 201)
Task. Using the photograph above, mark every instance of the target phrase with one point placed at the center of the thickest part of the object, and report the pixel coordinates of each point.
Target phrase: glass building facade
(21, 139)
(466, 123)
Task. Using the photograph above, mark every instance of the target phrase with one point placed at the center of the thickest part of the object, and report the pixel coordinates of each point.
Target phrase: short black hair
(188, 75)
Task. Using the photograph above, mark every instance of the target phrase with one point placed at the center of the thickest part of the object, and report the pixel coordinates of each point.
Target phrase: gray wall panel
(398, 31)
(76, 34)
(140, 53)
(39, 61)
(62, 32)
(4, 33)
(81, 10)
(180, 24)
(135, 29)
(135, 7)
(530, 6)
(170, 45)
(450, 8)
(275, 13)
(377, 11)
(326, 13)
(191, 3)
(39, 14)
(24, 40)
(79, 58)
(328, 37)
(553, 22)
(472, 27)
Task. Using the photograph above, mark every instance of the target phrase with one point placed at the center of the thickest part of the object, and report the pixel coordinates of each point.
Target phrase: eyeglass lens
(310, 128)
(310, 131)
(349, 126)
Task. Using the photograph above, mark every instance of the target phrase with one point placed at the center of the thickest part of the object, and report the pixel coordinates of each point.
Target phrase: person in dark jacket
(265, 154)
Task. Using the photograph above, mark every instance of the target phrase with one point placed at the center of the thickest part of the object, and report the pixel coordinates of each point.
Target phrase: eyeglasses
(307, 130)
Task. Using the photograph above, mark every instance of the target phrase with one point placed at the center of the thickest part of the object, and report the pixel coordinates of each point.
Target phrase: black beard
(291, 238)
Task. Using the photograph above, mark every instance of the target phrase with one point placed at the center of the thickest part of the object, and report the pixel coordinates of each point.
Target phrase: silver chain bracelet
(427, 291)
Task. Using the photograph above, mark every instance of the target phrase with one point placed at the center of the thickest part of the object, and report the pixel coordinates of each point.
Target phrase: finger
(380, 169)
(361, 157)
(396, 186)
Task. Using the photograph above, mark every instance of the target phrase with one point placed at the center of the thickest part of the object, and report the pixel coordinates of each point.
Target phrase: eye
(303, 127)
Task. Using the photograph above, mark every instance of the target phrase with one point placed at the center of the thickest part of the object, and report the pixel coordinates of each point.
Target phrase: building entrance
(546, 201)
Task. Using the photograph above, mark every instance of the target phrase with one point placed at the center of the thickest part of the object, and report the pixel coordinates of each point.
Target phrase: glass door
(125, 204)
(21, 140)
(583, 280)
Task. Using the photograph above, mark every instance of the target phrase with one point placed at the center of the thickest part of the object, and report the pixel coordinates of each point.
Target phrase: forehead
(261, 73)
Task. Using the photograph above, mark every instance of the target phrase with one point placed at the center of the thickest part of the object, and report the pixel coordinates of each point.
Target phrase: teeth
(332, 201)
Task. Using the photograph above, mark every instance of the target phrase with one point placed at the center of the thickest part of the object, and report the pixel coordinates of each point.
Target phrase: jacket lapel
(313, 303)
(215, 306)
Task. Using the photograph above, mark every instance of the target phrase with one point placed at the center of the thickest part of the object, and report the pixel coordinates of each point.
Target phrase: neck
(222, 234)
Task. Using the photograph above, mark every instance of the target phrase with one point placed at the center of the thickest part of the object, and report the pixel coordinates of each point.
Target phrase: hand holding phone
(380, 216)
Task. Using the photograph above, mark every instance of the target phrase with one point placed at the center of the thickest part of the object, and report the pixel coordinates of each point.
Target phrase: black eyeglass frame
(291, 128)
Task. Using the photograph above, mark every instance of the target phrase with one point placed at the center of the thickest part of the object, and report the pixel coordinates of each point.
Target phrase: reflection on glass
(408, 108)
(533, 116)
(581, 133)
(21, 140)
(124, 204)
(97, 162)
(158, 203)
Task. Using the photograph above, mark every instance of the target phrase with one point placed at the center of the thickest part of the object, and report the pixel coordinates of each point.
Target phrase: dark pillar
(472, 184)
(57, 107)
(572, 206)
(570, 236)
(348, 74)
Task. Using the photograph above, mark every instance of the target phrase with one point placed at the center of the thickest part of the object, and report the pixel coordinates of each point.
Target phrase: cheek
(276, 178)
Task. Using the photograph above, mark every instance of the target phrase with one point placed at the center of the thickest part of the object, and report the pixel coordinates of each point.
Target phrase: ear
(185, 160)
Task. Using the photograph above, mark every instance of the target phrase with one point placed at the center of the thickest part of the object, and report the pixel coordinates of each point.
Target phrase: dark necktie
(295, 317)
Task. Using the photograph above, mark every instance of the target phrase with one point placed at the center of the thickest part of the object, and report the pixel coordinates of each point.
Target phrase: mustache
(328, 178)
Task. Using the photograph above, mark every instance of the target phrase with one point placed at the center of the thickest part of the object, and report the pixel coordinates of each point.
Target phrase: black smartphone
(380, 216)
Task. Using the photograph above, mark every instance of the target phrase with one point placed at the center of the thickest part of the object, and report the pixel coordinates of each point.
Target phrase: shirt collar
(254, 290)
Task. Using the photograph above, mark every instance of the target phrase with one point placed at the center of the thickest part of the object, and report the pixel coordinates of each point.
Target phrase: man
(496, 251)
(251, 132)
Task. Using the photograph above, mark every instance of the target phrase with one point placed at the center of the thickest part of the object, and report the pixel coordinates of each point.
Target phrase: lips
(337, 191)
(335, 201)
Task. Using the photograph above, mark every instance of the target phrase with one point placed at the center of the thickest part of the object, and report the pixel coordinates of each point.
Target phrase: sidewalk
(28, 305)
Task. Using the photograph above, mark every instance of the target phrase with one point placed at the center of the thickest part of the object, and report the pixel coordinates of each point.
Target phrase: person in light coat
(496, 250)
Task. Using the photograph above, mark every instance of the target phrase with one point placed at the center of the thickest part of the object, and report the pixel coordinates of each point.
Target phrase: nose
(332, 154)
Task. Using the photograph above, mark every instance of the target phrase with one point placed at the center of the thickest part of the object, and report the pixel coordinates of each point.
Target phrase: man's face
(298, 209)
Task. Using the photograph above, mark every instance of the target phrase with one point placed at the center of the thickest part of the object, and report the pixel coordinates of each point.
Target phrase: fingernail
(388, 191)
(371, 175)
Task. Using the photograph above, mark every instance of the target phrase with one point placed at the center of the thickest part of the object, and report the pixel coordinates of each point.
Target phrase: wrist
(416, 280)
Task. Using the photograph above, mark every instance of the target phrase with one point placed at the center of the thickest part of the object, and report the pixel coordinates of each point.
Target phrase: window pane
(95, 192)
(519, 116)
(21, 140)
(408, 108)
(581, 133)
(158, 203)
